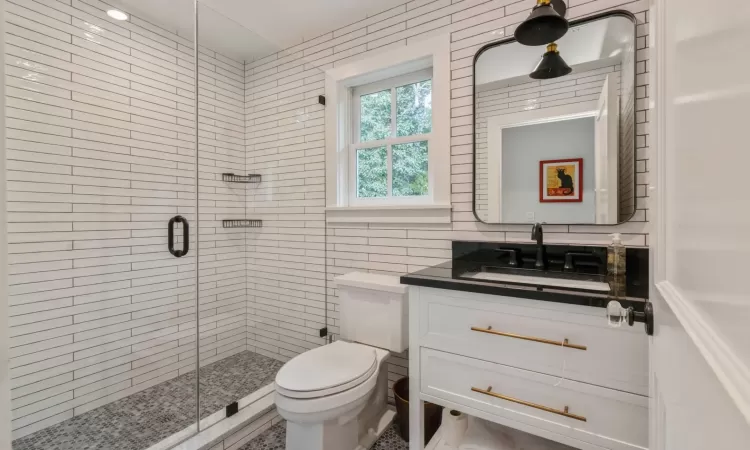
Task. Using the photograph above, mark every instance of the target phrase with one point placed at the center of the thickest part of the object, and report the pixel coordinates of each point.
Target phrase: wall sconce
(545, 24)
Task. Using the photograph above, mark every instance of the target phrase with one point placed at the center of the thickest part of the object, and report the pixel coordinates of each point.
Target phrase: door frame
(495, 127)
(722, 360)
(609, 100)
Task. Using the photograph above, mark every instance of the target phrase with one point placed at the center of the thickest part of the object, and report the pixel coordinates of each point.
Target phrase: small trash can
(432, 413)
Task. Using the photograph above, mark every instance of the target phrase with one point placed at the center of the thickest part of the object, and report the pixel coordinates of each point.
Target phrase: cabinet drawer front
(580, 347)
(600, 416)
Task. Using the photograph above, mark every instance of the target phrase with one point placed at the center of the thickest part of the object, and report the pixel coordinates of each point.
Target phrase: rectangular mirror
(560, 150)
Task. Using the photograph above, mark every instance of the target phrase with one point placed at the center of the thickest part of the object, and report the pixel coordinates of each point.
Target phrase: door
(700, 358)
(494, 172)
(605, 153)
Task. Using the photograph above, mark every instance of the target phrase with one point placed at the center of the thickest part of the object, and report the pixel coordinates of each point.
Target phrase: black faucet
(541, 255)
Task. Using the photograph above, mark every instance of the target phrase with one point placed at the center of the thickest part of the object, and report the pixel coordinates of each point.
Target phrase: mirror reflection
(553, 145)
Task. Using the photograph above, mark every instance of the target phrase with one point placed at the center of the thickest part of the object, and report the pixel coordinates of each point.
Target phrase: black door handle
(185, 234)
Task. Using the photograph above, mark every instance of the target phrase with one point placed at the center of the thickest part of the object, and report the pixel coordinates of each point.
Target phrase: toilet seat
(327, 370)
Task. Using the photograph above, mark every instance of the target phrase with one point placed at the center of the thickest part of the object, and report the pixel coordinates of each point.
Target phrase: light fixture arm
(558, 5)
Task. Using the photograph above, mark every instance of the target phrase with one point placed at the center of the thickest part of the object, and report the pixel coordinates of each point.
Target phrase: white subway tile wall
(290, 257)
(101, 154)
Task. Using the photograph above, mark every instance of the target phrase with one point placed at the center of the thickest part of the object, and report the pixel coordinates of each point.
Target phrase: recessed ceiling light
(117, 14)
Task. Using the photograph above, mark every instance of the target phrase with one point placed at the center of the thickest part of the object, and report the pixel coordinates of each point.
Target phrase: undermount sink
(539, 281)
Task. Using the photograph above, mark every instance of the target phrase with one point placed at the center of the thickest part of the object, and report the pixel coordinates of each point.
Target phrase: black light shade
(551, 66)
(544, 25)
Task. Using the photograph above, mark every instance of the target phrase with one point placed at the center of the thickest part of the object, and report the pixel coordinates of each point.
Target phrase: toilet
(335, 397)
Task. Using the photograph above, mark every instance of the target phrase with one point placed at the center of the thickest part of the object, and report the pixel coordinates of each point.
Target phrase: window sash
(393, 141)
(390, 84)
(389, 199)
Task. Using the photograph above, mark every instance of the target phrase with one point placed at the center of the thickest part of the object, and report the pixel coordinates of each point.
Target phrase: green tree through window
(375, 118)
(409, 160)
(372, 172)
(414, 111)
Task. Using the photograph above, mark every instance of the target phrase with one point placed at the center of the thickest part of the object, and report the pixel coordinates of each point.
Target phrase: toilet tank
(374, 310)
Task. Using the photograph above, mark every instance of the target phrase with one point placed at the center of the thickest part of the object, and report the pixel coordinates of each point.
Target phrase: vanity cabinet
(537, 336)
(551, 369)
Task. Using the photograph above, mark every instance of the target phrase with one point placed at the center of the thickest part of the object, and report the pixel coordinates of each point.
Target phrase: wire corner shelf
(242, 223)
(234, 178)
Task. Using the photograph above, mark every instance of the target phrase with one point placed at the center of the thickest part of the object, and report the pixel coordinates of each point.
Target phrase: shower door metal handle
(185, 234)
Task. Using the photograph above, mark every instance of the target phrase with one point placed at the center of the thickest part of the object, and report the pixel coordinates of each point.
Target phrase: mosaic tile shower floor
(275, 439)
(145, 418)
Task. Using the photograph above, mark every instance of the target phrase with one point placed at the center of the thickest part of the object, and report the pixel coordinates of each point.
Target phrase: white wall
(523, 148)
(100, 151)
(285, 129)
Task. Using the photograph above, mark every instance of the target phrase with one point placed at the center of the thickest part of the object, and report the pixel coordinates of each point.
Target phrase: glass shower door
(234, 328)
(101, 152)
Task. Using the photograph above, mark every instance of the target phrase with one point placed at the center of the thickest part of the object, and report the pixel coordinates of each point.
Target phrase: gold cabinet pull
(564, 343)
(564, 412)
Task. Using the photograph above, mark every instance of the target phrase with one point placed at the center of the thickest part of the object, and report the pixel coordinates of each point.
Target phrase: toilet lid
(327, 370)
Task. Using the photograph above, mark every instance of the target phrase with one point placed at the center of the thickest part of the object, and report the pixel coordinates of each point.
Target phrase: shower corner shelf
(242, 223)
(233, 178)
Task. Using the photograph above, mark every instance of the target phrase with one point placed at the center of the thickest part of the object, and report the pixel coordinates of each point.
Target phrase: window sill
(406, 214)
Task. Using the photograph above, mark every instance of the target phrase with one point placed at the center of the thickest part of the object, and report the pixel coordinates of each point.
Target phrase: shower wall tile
(288, 258)
(100, 149)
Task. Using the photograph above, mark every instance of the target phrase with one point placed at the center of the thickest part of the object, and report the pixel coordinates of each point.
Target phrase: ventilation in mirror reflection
(557, 146)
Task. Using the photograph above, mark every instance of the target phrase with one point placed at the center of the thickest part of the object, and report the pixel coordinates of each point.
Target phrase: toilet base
(354, 422)
(378, 429)
(333, 436)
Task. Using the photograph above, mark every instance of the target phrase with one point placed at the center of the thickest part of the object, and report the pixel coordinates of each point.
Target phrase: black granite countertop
(452, 275)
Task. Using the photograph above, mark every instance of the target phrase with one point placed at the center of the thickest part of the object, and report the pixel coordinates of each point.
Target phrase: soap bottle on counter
(616, 265)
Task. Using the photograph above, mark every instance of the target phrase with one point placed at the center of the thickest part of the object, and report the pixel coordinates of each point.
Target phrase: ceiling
(289, 22)
(257, 27)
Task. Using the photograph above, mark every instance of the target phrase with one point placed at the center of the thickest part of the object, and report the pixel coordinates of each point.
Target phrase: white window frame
(341, 206)
(390, 84)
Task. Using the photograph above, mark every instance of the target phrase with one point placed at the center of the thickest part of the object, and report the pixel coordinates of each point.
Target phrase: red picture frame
(555, 181)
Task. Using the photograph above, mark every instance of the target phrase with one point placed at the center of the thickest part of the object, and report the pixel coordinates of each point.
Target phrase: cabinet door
(604, 417)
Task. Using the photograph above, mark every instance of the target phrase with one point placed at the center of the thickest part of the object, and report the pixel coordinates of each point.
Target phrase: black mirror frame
(592, 18)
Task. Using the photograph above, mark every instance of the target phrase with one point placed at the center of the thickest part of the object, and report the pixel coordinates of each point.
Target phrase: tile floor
(147, 417)
(274, 439)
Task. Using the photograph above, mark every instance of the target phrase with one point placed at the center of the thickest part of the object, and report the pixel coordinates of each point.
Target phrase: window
(392, 131)
(388, 136)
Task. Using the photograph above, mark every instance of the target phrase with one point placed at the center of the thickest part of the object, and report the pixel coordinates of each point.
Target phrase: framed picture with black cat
(561, 180)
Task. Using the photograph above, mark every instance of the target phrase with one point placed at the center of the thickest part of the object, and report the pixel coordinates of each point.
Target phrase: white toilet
(335, 397)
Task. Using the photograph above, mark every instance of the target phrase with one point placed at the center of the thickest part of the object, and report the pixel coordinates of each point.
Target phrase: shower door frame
(196, 54)
(5, 416)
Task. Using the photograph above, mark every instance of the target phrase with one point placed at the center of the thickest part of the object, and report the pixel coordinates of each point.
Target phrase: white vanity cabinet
(550, 369)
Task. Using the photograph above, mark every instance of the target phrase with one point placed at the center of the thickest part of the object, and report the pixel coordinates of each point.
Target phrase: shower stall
(137, 191)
